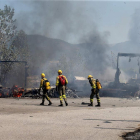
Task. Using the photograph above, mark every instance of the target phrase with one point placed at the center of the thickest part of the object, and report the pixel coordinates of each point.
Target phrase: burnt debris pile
(15, 91)
(4, 92)
(121, 90)
(34, 93)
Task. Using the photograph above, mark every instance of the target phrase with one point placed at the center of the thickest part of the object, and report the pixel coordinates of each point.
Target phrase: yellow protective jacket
(41, 83)
(57, 80)
(92, 82)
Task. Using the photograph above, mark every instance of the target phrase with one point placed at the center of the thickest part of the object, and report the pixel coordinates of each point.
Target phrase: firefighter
(45, 91)
(94, 91)
(61, 82)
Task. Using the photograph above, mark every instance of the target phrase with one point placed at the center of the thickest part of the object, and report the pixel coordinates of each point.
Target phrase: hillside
(126, 47)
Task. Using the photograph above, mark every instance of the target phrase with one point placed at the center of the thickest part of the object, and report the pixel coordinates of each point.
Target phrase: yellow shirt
(41, 82)
(92, 82)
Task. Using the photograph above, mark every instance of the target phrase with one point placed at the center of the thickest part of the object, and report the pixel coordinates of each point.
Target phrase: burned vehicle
(118, 89)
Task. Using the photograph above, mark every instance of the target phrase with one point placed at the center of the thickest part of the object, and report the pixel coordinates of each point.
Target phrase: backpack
(62, 80)
(99, 86)
(46, 84)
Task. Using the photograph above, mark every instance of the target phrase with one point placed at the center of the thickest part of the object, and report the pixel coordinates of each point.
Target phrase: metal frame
(123, 55)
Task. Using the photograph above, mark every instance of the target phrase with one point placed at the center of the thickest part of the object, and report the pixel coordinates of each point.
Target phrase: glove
(56, 88)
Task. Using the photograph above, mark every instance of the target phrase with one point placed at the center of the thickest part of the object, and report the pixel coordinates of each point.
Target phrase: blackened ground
(132, 135)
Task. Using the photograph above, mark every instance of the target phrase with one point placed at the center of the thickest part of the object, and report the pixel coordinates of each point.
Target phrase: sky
(112, 19)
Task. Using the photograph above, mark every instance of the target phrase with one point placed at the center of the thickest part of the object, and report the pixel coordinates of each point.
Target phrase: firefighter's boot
(50, 102)
(42, 103)
(66, 103)
(61, 103)
(91, 104)
(98, 105)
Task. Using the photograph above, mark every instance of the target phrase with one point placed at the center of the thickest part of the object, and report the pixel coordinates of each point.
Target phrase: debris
(83, 103)
(71, 93)
(124, 90)
(118, 89)
(33, 93)
(4, 92)
(132, 135)
(16, 91)
(51, 93)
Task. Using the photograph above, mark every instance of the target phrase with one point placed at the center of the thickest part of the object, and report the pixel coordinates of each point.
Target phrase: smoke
(131, 68)
(65, 33)
(16, 76)
(74, 60)
(124, 78)
(134, 33)
(61, 20)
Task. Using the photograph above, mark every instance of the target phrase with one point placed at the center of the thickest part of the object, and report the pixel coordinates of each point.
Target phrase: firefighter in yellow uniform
(45, 91)
(61, 82)
(94, 91)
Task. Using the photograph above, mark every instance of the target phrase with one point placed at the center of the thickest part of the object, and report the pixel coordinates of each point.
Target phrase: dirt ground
(25, 119)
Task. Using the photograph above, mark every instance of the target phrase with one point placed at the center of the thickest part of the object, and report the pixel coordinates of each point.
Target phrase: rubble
(16, 91)
(32, 92)
(118, 89)
(4, 92)
(70, 93)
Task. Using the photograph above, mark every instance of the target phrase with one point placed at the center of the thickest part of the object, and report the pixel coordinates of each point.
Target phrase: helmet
(90, 76)
(42, 75)
(60, 71)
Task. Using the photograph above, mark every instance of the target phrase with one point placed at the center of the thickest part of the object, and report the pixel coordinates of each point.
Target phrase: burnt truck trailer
(130, 55)
(118, 89)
